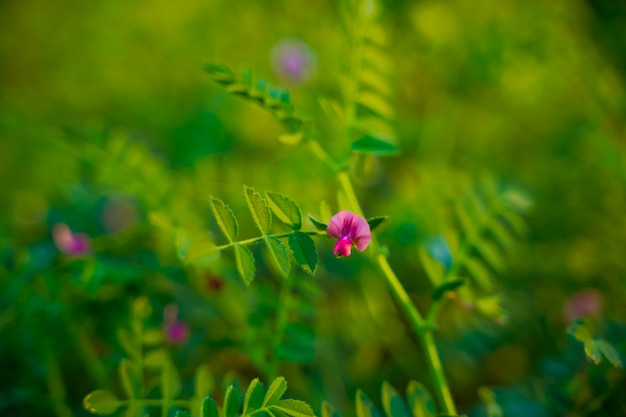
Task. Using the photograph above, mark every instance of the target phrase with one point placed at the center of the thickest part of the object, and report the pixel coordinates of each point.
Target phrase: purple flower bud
(176, 331)
(73, 244)
(293, 61)
(350, 230)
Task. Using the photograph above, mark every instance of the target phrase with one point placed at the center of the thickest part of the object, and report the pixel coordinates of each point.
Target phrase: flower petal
(343, 247)
(337, 224)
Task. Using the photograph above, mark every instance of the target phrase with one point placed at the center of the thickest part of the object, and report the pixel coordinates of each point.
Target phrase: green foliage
(245, 263)
(304, 251)
(489, 218)
(101, 402)
(259, 209)
(249, 86)
(285, 209)
(225, 219)
(318, 225)
(366, 87)
(377, 223)
(419, 400)
(595, 348)
(301, 245)
(279, 253)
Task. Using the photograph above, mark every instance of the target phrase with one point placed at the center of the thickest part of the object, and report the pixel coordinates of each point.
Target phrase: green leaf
(364, 406)
(580, 331)
(517, 199)
(130, 378)
(318, 225)
(208, 408)
(517, 222)
(201, 251)
(204, 384)
(254, 397)
(245, 263)
(328, 410)
(259, 209)
(593, 351)
(378, 222)
(479, 273)
(232, 402)
(465, 221)
(220, 73)
(420, 401)
(375, 146)
(440, 291)
(304, 251)
(501, 233)
(375, 81)
(101, 402)
(275, 391)
(279, 254)
(152, 337)
(285, 209)
(375, 103)
(225, 218)
(124, 337)
(156, 358)
(182, 413)
(490, 252)
(610, 353)
(489, 398)
(491, 308)
(393, 404)
(294, 408)
(170, 381)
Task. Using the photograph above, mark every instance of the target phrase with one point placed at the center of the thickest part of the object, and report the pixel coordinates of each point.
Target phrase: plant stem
(436, 371)
(56, 387)
(282, 316)
(260, 238)
(421, 327)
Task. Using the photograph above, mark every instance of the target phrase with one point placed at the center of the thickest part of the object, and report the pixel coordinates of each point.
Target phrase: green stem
(318, 151)
(155, 403)
(421, 327)
(437, 373)
(282, 317)
(260, 238)
(56, 387)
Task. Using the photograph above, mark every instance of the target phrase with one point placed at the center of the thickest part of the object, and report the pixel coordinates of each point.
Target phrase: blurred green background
(530, 93)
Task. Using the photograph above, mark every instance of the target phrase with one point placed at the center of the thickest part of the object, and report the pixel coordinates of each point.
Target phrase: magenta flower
(293, 61)
(176, 331)
(73, 244)
(584, 303)
(350, 230)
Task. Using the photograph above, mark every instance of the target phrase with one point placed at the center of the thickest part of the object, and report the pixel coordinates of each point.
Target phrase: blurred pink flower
(293, 60)
(73, 244)
(587, 302)
(350, 230)
(176, 331)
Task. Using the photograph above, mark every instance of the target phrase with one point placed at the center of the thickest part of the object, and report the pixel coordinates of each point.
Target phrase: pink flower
(350, 230)
(176, 331)
(73, 244)
(293, 61)
(584, 303)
